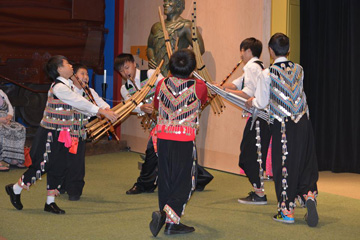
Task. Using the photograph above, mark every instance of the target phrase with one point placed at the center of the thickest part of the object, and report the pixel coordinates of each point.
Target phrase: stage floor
(106, 212)
(344, 184)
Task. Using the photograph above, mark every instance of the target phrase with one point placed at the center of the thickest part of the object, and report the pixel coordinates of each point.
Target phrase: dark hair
(280, 44)
(254, 45)
(121, 59)
(77, 66)
(182, 63)
(52, 65)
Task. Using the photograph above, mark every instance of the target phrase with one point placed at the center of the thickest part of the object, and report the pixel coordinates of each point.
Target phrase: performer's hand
(3, 120)
(98, 115)
(248, 103)
(218, 85)
(109, 114)
(148, 108)
(6, 120)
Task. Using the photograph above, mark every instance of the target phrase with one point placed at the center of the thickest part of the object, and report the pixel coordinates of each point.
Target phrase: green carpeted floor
(106, 212)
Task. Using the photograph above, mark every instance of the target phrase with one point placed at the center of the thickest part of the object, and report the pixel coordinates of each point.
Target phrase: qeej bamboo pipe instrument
(166, 34)
(216, 102)
(237, 100)
(97, 130)
(231, 73)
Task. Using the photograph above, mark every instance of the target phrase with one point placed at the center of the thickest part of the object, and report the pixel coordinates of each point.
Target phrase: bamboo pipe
(127, 107)
(166, 34)
(95, 121)
(216, 102)
(123, 112)
(231, 73)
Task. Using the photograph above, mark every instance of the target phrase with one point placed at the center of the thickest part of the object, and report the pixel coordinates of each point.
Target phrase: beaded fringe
(40, 172)
(284, 196)
(259, 159)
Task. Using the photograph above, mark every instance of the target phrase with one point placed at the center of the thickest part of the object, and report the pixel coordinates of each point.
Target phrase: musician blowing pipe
(88, 93)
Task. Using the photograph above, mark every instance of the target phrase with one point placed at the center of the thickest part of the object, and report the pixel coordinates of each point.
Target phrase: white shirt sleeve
(238, 82)
(262, 93)
(99, 101)
(74, 99)
(250, 76)
(10, 108)
(124, 93)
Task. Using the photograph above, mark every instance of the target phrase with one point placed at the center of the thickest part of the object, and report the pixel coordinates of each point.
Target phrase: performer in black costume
(293, 149)
(74, 180)
(135, 80)
(57, 137)
(179, 98)
(255, 142)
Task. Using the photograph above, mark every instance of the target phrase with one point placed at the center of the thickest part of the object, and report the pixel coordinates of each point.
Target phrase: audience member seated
(12, 136)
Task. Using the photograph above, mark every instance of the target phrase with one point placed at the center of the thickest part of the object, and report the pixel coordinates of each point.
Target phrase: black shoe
(172, 228)
(201, 184)
(150, 190)
(53, 208)
(253, 198)
(311, 217)
(14, 198)
(157, 222)
(134, 190)
(74, 197)
(137, 190)
(199, 188)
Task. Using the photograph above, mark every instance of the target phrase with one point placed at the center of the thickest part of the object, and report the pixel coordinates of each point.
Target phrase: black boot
(172, 228)
(14, 198)
(157, 222)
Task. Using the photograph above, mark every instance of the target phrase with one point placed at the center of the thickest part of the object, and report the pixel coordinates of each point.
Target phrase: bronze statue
(177, 27)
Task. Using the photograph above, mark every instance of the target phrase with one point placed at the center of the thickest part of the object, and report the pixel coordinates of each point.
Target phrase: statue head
(173, 6)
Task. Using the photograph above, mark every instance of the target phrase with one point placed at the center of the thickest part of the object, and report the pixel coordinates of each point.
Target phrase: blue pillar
(108, 54)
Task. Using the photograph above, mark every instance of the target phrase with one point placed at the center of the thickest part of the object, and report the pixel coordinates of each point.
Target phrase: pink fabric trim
(53, 192)
(171, 214)
(65, 137)
(268, 170)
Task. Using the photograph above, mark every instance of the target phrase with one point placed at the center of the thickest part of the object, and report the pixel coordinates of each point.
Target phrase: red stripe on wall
(118, 48)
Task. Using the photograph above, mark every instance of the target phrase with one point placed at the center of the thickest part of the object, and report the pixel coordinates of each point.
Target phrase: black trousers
(56, 163)
(248, 150)
(75, 173)
(300, 163)
(202, 176)
(149, 171)
(175, 173)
